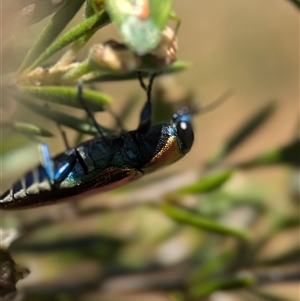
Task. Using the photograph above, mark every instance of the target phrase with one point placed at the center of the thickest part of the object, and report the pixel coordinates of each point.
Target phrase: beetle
(105, 162)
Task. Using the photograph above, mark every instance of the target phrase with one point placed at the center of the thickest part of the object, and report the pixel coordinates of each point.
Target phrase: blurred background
(135, 251)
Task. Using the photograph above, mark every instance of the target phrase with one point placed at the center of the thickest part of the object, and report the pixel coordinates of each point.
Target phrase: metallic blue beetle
(105, 162)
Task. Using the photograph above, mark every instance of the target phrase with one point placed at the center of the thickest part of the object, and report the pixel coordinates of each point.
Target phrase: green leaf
(207, 183)
(95, 245)
(140, 24)
(244, 132)
(209, 267)
(220, 202)
(288, 154)
(287, 222)
(206, 288)
(73, 75)
(175, 67)
(65, 119)
(85, 27)
(55, 26)
(194, 220)
(91, 6)
(67, 96)
(28, 128)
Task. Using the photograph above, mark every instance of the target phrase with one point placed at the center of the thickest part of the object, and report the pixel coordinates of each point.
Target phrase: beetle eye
(186, 135)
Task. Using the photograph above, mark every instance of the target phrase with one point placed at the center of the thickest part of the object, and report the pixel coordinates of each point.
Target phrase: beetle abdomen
(42, 193)
(33, 183)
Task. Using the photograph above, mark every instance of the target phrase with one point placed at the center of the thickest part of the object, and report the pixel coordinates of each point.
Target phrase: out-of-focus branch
(147, 280)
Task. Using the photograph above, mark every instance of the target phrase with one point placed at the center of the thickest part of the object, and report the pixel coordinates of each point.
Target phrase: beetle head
(182, 121)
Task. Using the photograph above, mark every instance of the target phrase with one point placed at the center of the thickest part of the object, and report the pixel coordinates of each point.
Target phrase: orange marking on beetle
(142, 9)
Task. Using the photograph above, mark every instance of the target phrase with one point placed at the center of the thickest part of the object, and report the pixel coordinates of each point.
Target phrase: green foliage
(206, 288)
(288, 154)
(28, 128)
(207, 184)
(207, 223)
(56, 25)
(66, 96)
(246, 130)
(194, 220)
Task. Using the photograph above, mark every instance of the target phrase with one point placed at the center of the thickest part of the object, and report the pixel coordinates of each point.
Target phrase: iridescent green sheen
(101, 165)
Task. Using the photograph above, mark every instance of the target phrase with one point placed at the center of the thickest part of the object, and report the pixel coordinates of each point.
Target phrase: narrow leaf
(65, 119)
(206, 288)
(211, 266)
(99, 243)
(287, 222)
(85, 27)
(288, 154)
(97, 77)
(67, 96)
(28, 128)
(73, 75)
(207, 183)
(55, 26)
(244, 132)
(77, 124)
(194, 220)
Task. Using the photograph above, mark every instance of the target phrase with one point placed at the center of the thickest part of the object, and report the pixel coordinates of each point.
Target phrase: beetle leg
(64, 136)
(88, 111)
(145, 119)
(63, 171)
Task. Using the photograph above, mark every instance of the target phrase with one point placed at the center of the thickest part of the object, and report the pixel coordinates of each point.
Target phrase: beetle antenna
(88, 111)
(215, 104)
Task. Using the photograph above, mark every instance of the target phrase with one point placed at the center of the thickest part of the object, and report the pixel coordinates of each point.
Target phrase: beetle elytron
(105, 162)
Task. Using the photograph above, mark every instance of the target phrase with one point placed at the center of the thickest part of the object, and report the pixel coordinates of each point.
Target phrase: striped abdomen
(34, 188)
(32, 184)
